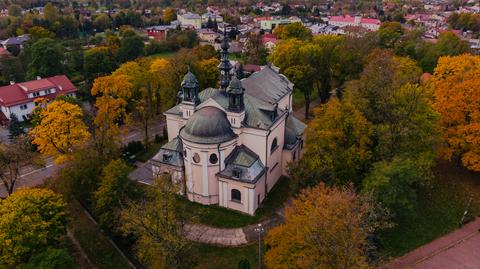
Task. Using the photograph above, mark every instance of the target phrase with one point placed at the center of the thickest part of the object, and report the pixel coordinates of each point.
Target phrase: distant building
(190, 19)
(269, 23)
(18, 41)
(269, 41)
(18, 98)
(159, 32)
(207, 35)
(342, 21)
(212, 16)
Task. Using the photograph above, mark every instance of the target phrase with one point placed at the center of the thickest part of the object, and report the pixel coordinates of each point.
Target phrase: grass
(148, 154)
(299, 100)
(217, 216)
(97, 246)
(438, 211)
(212, 257)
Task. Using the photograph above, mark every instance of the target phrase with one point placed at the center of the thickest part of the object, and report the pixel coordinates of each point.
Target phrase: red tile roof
(18, 93)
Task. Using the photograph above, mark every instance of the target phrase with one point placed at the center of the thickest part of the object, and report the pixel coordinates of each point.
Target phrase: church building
(230, 146)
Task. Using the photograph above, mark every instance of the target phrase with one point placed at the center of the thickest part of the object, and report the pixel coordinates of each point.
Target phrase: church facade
(230, 146)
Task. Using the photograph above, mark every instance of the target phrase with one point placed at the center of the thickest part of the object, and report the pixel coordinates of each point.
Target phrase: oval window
(213, 158)
(196, 158)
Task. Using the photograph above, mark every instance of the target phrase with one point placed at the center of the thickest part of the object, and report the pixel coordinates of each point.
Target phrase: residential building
(269, 41)
(269, 23)
(190, 19)
(207, 35)
(19, 98)
(342, 21)
(159, 32)
(230, 146)
(212, 17)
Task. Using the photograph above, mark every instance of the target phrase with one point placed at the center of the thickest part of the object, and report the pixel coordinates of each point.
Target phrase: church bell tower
(225, 66)
(189, 95)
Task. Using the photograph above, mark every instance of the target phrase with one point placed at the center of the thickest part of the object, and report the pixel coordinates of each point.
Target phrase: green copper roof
(208, 125)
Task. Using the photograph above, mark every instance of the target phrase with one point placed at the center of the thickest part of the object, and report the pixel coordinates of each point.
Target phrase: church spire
(225, 66)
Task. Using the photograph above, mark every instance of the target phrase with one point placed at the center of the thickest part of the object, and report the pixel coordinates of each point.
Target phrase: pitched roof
(243, 165)
(170, 153)
(294, 129)
(17, 93)
(267, 85)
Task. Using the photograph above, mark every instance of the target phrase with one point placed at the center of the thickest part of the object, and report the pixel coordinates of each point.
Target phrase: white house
(342, 21)
(190, 19)
(230, 146)
(18, 98)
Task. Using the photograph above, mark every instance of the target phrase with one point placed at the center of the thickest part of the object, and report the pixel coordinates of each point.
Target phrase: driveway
(3, 134)
(459, 249)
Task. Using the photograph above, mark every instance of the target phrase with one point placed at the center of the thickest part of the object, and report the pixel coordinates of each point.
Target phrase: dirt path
(83, 255)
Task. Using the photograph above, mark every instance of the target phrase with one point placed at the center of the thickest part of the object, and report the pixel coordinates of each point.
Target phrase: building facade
(230, 146)
(19, 98)
(357, 21)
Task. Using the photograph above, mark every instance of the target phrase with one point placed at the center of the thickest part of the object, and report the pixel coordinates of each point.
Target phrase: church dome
(208, 125)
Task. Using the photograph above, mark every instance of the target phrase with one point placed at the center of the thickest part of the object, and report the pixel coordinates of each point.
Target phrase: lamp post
(259, 230)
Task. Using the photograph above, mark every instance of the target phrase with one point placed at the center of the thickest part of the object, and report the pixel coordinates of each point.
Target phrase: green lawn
(299, 100)
(211, 257)
(148, 154)
(97, 247)
(222, 217)
(438, 211)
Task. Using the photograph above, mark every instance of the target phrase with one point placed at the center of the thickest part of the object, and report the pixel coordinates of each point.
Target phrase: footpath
(458, 249)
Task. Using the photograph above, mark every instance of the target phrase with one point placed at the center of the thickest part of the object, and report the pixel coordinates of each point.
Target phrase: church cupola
(190, 87)
(189, 95)
(235, 95)
(225, 66)
(236, 103)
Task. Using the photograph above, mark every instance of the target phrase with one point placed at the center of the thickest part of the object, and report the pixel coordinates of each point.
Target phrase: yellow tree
(168, 84)
(31, 221)
(60, 129)
(112, 94)
(325, 228)
(455, 84)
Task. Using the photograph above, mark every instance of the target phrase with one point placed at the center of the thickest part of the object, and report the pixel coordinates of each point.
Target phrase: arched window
(236, 195)
(274, 145)
(213, 158)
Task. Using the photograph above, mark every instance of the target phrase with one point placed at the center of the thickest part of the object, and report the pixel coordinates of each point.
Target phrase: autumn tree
(99, 61)
(293, 58)
(112, 95)
(168, 15)
(293, 30)
(325, 228)
(131, 47)
(167, 79)
(338, 146)
(13, 157)
(113, 191)
(455, 85)
(255, 52)
(60, 129)
(32, 220)
(159, 223)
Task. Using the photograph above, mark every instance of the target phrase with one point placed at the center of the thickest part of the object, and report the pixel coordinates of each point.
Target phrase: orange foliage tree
(325, 228)
(455, 84)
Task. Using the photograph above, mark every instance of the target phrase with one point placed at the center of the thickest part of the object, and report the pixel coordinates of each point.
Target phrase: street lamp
(259, 230)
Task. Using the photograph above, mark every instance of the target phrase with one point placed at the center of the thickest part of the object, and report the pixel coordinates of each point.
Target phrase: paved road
(459, 249)
(34, 176)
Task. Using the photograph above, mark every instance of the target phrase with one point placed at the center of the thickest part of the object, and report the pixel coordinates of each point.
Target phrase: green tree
(114, 189)
(32, 220)
(102, 22)
(38, 32)
(11, 69)
(50, 13)
(390, 33)
(98, 62)
(338, 147)
(46, 59)
(326, 63)
(15, 128)
(392, 183)
(158, 221)
(293, 30)
(51, 259)
(131, 47)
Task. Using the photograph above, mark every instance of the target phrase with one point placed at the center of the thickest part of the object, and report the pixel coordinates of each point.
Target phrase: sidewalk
(458, 249)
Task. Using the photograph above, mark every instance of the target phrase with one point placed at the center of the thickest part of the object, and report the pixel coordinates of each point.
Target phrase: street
(34, 176)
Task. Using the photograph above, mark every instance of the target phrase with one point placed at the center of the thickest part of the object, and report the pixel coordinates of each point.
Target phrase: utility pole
(259, 230)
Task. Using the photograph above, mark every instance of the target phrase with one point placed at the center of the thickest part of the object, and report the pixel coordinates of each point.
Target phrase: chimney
(39, 77)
